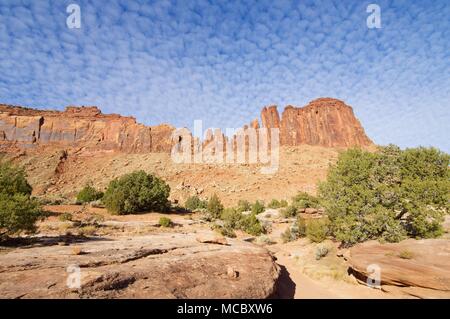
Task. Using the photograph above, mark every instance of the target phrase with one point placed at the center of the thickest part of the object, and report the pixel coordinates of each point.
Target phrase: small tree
(215, 207)
(136, 192)
(18, 211)
(389, 194)
(88, 194)
(13, 180)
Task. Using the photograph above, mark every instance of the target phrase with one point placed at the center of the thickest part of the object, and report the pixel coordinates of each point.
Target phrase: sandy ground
(297, 285)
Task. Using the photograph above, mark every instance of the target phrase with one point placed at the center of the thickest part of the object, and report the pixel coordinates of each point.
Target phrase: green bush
(251, 225)
(226, 231)
(274, 204)
(13, 180)
(297, 230)
(136, 192)
(283, 203)
(317, 230)
(244, 206)
(194, 203)
(258, 207)
(215, 207)
(236, 220)
(232, 218)
(290, 211)
(304, 200)
(18, 211)
(88, 194)
(165, 222)
(299, 227)
(406, 254)
(388, 195)
(65, 217)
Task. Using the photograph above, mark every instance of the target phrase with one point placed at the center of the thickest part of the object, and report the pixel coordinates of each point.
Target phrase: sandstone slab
(166, 265)
(421, 266)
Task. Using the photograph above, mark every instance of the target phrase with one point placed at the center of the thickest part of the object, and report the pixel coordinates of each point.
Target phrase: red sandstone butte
(325, 122)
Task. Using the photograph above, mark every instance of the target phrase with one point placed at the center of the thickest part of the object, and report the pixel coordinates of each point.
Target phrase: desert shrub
(252, 226)
(406, 254)
(232, 218)
(274, 204)
(165, 222)
(317, 230)
(215, 207)
(305, 200)
(65, 217)
(258, 207)
(13, 180)
(88, 194)
(299, 227)
(136, 192)
(226, 231)
(87, 230)
(236, 220)
(194, 203)
(287, 236)
(321, 251)
(283, 203)
(18, 211)
(389, 194)
(290, 211)
(244, 206)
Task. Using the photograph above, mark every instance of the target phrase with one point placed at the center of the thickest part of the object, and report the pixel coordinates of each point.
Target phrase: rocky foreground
(166, 265)
(418, 268)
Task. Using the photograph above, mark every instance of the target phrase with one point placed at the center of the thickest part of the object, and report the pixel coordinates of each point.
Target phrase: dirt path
(295, 284)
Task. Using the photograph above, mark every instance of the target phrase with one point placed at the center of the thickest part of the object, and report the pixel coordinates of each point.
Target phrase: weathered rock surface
(80, 127)
(168, 265)
(419, 268)
(325, 122)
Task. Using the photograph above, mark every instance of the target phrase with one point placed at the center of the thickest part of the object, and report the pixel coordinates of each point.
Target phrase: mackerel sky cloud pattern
(222, 61)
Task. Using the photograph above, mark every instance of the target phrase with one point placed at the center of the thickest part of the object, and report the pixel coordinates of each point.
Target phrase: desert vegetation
(390, 194)
(18, 210)
(165, 222)
(88, 194)
(136, 192)
(194, 203)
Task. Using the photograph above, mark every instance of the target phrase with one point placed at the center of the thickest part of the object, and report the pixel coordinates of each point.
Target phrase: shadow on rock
(42, 241)
(285, 287)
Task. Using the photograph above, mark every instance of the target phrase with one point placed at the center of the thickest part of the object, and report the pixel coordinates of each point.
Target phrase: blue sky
(222, 61)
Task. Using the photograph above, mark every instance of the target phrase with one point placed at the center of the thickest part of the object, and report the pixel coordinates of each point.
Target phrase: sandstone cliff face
(80, 127)
(325, 122)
